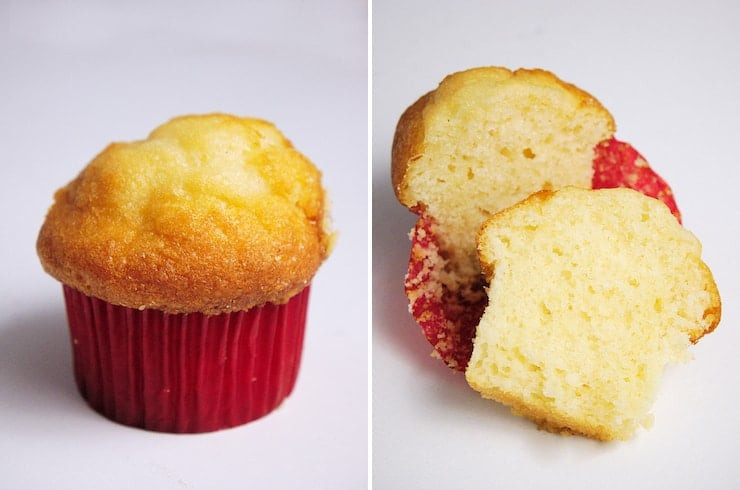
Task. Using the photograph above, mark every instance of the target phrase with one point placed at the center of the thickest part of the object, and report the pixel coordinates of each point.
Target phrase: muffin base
(184, 373)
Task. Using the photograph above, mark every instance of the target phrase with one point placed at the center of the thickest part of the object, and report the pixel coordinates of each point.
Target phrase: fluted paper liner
(184, 372)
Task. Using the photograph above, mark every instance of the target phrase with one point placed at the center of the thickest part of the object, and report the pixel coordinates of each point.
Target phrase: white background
(75, 76)
(670, 74)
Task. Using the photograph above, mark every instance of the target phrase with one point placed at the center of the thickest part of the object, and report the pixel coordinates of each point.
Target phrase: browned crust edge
(547, 420)
(714, 312)
(408, 146)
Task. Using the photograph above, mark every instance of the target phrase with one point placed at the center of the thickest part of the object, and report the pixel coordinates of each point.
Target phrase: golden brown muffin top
(210, 213)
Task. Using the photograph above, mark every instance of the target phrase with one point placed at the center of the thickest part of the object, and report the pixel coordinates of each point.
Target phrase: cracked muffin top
(210, 213)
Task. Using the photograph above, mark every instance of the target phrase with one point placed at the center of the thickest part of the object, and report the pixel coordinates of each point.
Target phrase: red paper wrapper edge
(184, 373)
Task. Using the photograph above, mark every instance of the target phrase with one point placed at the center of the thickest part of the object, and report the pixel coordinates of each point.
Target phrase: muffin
(483, 140)
(626, 293)
(186, 261)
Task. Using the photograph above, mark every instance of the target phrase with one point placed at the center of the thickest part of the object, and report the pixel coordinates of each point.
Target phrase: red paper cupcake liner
(447, 317)
(618, 164)
(185, 373)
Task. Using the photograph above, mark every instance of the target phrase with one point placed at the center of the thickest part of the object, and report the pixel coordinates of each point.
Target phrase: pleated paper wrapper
(185, 373)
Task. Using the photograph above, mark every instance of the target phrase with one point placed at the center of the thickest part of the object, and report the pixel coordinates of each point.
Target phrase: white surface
(669, 73)
(76, 76)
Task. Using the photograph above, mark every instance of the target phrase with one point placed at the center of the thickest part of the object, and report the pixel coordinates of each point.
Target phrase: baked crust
(408, 141)
(408, 145)
(210, 213)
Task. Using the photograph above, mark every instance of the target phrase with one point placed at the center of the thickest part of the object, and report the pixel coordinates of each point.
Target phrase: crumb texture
(487, 138)
(210, 213)
(592, 293)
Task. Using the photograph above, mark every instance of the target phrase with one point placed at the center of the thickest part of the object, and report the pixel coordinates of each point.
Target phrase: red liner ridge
(618, 164)
(185, 373)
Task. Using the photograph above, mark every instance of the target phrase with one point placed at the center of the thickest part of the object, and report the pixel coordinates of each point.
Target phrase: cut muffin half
(592, 293)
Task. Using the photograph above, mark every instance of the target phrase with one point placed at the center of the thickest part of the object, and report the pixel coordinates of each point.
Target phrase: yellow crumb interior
(490, 141)
(592, 293)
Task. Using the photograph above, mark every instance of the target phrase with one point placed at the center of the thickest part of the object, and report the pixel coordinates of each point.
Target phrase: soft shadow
(392, 321)
(456, 396)
(36, 365)
(481, 416)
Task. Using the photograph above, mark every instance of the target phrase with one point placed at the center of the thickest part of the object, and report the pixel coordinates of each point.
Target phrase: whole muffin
(186, 260)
